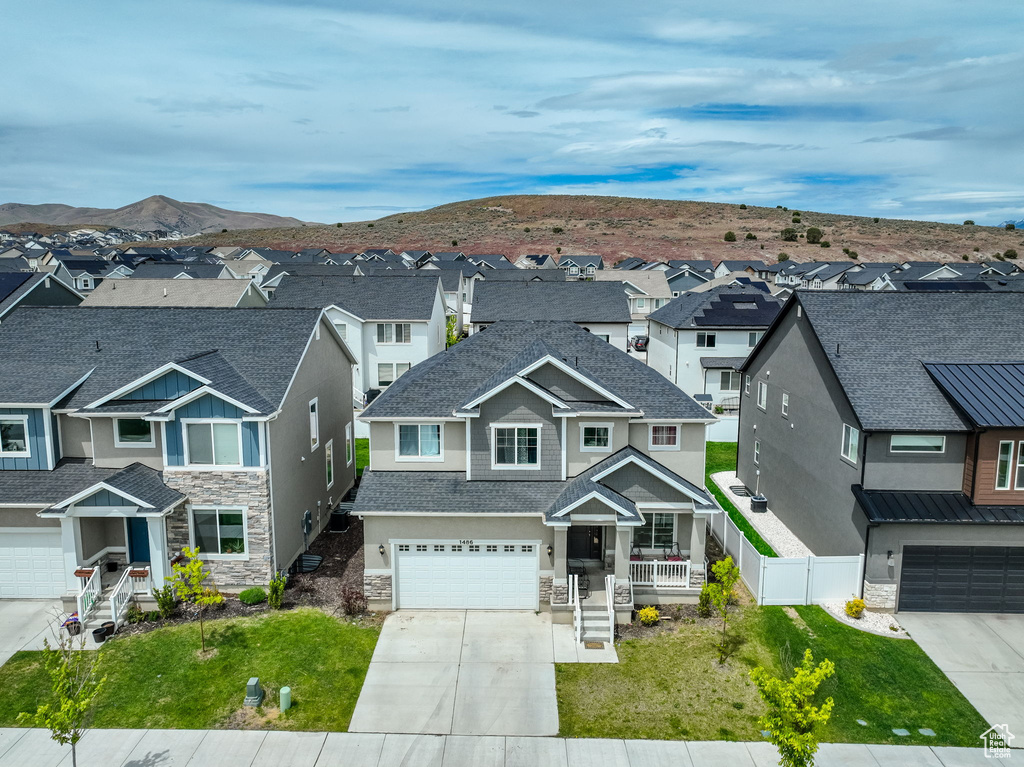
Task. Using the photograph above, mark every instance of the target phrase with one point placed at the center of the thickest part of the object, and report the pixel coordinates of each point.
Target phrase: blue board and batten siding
(104, 497)
(36, 437)
(209, 406)
(169, 386)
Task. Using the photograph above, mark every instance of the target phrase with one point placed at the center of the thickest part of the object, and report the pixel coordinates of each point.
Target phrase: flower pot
(111, 567)
(109, 627)
(98, 635)
(74, 628)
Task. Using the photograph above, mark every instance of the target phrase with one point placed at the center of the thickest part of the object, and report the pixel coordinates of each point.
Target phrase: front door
(138, 540)
(584, 542)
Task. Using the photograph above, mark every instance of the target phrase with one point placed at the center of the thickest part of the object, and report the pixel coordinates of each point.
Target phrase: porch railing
(89, 595)
(662, 575)
(125, 591)
(577, 609)
(609, 590)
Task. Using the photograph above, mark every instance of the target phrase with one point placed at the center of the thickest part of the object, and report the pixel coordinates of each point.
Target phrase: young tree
(726, 575)
(792, 719)
(188, 584)
(75, 683)
(451, 330)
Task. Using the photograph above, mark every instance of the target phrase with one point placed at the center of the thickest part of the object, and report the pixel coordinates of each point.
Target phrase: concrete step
(595, 637)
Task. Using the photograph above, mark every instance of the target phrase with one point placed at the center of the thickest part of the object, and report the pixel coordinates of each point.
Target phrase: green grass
(362, 455)
(671, 686)
(158, 680)
(721, 456)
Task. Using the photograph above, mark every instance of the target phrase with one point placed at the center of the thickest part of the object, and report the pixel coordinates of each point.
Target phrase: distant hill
(618, 227)
(156, 212)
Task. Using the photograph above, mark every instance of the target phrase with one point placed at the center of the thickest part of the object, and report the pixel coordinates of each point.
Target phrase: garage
(500, 575)
(31, 565)
(956, 579)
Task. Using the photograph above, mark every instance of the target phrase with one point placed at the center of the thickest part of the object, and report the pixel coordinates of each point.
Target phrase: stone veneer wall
(881, 596)
(377, 587)
(250, 489)
(559, 593)
(546, 582)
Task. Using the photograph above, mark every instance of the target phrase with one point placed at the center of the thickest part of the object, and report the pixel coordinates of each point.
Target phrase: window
(394, 333)
(342, 329)
(785, 403)
(762, 395)
(14, 437)
(851, 440)
(314, 424)
(1019, 482)
(657, 531)
(516, 446)
(730, 380)
(388, 372)
(706, 340)
(596, 438)
(757, 452)
(348, 444)
(419, 441)
(746, 385)
(917, 443)
(219, 533)
(664, 437)
(590, 269)
(641, 303)
(753, 337)
(1003, 465)
(133, 432)
(216, 443)
(329, 461)
(574, 270)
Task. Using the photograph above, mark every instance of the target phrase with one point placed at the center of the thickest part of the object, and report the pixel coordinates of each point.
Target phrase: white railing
(121, 596)
(89, 595)
(609, 590)
(661, 575)
(577, 610)
(358, 398)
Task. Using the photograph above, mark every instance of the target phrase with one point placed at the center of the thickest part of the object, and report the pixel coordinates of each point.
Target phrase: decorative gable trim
(594, 495)
(200, 392)
(652, 471)
(573, 373)
(102, 486)
(517, 379)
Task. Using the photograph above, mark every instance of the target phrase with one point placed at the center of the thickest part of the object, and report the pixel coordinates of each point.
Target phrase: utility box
(253, 692)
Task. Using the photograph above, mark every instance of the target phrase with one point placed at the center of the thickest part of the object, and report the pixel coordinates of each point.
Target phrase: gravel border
(768, 526)
(871, 621)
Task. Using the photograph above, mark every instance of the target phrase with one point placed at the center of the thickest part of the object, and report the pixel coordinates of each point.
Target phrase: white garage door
(31, 565)
(484, 576)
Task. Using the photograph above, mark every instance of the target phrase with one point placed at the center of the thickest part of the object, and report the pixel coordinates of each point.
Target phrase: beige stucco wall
(382, 448)
(687, 461)
(13, 517)
(108, 456)
(578, 461)
(98, 533)
(76, 442)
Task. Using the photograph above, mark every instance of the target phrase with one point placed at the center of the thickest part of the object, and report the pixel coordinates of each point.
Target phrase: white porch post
(70, 535)
(698, 539)
(622, 538)
(159, 560)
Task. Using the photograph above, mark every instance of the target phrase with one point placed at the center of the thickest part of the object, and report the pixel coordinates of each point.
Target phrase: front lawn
(362, 454)
(157, 679)
(671, 686)
(721, 456)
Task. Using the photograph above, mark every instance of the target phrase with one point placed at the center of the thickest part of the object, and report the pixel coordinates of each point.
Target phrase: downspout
(977, 452)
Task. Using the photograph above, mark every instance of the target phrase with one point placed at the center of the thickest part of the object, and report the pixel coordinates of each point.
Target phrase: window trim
(329, 463)
(853, 443)
(650, 437)
(314, 423)
(186, 422)
(597, 425)
(394, 333)
(350, 450)
(757, 334)
(399, 458)
(707, 335)
(394, 370)
(746, 385)
(117, 435)
(1007, 443)
(762, 388)
(651, 514)
(207, 555)
(917, 452)
(27, 452)
(495, 466)
(785, 404)
(757, 452)
(730, 373)
(1018, 469)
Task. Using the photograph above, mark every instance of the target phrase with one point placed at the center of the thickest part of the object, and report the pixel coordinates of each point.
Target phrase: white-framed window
(641, 303)
(342, 329)
(596, 437)
(762, 395)
(349, 452)
(757, 452)
(753, 337)
(515, 446)
(785, 403)
(730, 380)
(851, 442)
(746, 385)
(220, 533)
(707, 340)
(574, 270)
(591, 269)
(1003, 465)
(133, 432)
(314, 423)
(388, 372)
(14, 437)
(664, 437)
(657, 531)
(917, 443)
(212, 442)
(86, 283)
(329, 462)
(394, 333)
(1019, 481)
(419, 442)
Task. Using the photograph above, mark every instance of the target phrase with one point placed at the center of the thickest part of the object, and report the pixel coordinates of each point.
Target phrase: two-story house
(891, 424)
(581, 267)
(128, 434)
(647, 291)
(34, 289)
(524, 455)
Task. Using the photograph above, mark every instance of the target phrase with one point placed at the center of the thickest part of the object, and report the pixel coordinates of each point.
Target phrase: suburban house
(537, 261)
(228, 294)
(389, 323)
(908, 422)
(34, 289)
(600, 308)
(727, 266)
(646, 291)
(581, 267)
(530, 463)
(682, 280)
(177, 270)
(128, 434)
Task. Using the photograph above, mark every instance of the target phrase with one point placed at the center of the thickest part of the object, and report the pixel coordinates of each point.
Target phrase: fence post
(763, 562)
(809, 583)
(739, 551)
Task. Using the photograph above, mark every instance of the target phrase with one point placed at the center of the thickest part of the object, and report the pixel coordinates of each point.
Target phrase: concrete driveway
(26, 622)
(461, 673)
(982, 654)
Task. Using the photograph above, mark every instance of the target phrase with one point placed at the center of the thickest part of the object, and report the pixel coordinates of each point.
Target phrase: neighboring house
(728, 266)
(890, 424)
(137, 432)
(34, 289)
(537, 261)
(647, 291)
(156, 270)
(524, 455)
(581, 267)
(630, 263)
(276, 272)
(84, 273)
(600, 308)
(682, 280)
(237, 294)
(491, 261)
(867, 277)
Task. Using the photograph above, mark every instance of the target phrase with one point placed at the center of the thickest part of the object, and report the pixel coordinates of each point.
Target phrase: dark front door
(963, 579)
(584, 542)
(138, 540)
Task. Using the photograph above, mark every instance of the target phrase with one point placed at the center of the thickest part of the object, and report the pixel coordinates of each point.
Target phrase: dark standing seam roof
(882, 506)
(992, 395)
(370, 298)
(571, 301)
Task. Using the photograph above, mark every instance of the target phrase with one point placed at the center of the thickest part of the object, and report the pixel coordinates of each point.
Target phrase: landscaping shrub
(648, 615)
(965, 257)
(789, 235)
(1010, 253)
(704, 606)
(353, 602)
(751, 236)
(814, 235)
(134, 614)
(730, 236)
(275, 597)
(165, 601)
(855, 608)
(455, 242)
(253, 596)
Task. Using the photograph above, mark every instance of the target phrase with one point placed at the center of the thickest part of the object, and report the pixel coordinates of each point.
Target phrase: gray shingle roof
(448, 492)
(439, 385)
(152, 270)
(571, 301)
(990, 395)
(369, 298)
(718, 308)
(709, 363)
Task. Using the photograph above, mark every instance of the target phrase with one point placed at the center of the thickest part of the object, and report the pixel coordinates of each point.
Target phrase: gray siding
(642, 487)
(106, 455)
(563, 385)
(516, 404)
(913, 471)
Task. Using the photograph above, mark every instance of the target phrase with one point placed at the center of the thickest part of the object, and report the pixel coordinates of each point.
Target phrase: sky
(333, 111)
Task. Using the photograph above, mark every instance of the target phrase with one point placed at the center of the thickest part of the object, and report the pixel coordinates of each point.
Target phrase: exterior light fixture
(551, 550)
(380, 548)
(889, 560)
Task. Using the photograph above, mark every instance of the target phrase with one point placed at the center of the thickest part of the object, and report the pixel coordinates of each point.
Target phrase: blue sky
(344, 111)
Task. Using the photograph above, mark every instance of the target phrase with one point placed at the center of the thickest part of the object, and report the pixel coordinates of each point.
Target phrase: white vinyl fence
(793, 581)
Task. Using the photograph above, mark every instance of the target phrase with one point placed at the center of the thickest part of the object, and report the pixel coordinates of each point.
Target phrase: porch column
(561, 549)
(70, 529)
(698, 539)
(622, 538)
(159, 562)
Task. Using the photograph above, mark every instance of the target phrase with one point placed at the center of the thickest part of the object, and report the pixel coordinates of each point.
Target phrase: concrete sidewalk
(247, 748)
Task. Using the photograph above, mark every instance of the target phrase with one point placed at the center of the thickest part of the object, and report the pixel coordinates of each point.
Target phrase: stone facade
(377, 587)
(697, 577)
(559, 593)
(546, 582)
(622, 594)
(225, 489)
(881, 596)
